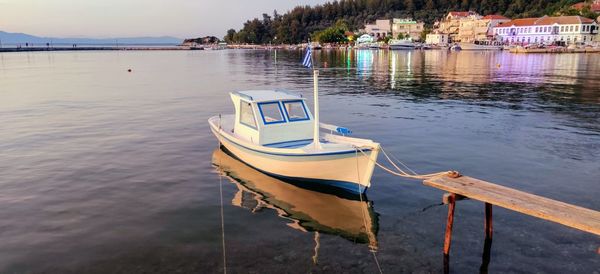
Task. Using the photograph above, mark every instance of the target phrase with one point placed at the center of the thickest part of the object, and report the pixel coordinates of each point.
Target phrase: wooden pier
(584, 219)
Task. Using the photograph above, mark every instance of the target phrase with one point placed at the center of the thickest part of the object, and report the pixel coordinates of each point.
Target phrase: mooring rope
(222, 224)
(222, 214)
(364, 217)
(400, 172)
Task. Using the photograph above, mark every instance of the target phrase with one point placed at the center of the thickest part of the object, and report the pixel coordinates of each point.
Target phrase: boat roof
(267, 95)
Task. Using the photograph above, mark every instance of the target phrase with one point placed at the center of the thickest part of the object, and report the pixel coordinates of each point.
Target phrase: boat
(304, 209)
(482, 45)
(275, 133)
(396, 44)
(455, 47)
(374, 46)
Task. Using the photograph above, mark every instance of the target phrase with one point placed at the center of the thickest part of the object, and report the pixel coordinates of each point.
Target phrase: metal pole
(316, 114)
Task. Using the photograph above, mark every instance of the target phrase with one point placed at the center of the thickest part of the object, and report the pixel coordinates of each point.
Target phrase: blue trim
(295, 155)
(263, 116)
(303, 107)
(343, 185)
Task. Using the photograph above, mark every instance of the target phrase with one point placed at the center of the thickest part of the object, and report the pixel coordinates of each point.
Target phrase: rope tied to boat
(406, 174)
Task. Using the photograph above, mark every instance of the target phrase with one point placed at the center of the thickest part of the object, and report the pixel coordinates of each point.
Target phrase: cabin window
(295, 111)
(271, 113)
(247, 115)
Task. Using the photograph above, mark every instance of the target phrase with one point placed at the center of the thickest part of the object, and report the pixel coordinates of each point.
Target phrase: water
(104, 170)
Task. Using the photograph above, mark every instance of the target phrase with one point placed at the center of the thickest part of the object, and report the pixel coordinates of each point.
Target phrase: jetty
(93, 48)
(459, 187)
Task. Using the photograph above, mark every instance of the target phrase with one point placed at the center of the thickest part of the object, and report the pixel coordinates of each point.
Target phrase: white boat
(455, 47)
(274, 132)
(401, 44)
(374, 46)
(482, 45)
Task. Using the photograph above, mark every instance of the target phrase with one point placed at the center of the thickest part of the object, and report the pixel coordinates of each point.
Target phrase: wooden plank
(570, 215)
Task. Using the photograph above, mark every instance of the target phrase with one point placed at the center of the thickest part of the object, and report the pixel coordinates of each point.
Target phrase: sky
(127, 18)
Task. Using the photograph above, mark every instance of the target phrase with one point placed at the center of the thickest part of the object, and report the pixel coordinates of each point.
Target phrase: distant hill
(22, 38)
(202, 40)
(299, 23)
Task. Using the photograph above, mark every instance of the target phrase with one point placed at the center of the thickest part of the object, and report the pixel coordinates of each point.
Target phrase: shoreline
(91, 48)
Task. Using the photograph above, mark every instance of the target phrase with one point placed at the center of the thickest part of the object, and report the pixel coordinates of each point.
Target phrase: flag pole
(316, 98)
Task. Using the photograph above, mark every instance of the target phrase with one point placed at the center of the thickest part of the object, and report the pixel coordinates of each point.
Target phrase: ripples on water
(102, 170)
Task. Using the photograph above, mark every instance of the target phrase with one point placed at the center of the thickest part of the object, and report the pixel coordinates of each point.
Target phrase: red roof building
(594, 6)
(547, 30)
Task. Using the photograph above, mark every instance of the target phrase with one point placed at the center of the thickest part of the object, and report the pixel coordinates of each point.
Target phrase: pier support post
(487, 246)
(488, 221)
(448, 236)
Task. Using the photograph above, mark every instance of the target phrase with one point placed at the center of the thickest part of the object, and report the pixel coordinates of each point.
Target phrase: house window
(562, 28)
(576, 28)
(247, 115)
(271, 113)
(295, 111)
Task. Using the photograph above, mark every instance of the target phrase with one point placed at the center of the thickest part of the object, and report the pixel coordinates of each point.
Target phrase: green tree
(229, 38)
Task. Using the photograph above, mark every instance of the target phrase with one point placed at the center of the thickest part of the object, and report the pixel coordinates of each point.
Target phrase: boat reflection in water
(350, 217)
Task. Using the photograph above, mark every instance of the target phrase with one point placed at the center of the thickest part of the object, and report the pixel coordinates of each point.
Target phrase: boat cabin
(272, 118)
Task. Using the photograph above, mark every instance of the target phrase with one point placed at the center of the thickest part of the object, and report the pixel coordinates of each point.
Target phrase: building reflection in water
(305, 210)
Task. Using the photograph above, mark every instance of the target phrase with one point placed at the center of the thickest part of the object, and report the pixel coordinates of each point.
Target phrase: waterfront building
(437, 39)
(408, 27)
(450, 25)
(380, 29)
(479, 29)
(548, 30)
(365, 38)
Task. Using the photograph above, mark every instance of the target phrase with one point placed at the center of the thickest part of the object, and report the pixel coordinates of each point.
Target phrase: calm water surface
(105, 171)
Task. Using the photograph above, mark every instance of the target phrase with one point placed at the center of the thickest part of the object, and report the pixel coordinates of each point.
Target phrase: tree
(229, 38)
(423, 35)
(298, 24)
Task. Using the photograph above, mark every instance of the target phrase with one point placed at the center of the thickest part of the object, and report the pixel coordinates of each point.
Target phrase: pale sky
(121, 18)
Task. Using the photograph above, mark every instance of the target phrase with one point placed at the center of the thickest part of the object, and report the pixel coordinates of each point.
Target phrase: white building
(547, 30)
(407, 27)
(380, 29)
(436, 39)
(365, 38)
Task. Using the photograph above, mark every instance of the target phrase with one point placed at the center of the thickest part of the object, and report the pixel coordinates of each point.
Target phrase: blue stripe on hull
(327, 186)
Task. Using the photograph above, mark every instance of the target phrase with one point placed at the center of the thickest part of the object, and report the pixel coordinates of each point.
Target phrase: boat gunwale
(296, 152)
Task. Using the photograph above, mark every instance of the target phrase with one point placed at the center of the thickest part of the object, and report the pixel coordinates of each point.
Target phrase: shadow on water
(307, 210)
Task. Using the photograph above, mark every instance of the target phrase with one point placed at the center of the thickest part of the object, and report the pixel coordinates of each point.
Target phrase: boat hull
(402, 47)
(350, 171)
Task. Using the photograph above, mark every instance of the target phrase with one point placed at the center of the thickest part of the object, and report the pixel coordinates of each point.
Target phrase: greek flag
(307, 62)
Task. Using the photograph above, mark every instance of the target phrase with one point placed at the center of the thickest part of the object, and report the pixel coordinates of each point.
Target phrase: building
(380, 29)
(407, 27)
(594, 6)
(451, 23)
(437, 39)
(365, 38)
(548, 30)
(479, 29)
